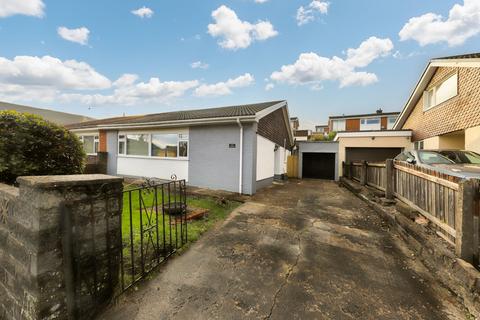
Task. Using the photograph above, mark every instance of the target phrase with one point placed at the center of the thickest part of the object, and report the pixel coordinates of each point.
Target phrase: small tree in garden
(30, 145)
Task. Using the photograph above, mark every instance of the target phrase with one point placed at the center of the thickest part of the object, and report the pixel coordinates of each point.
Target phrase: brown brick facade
(274, 128)
(458, 113)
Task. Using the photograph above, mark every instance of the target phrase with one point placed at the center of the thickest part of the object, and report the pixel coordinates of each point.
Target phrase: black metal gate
(154, 226)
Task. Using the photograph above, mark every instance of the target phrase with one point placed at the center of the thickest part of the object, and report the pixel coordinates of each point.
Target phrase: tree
(30, 145)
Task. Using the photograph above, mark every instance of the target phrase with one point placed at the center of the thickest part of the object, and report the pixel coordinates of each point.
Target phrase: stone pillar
(67, 246)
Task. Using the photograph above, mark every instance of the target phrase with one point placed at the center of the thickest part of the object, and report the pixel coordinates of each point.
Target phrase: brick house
(443, 111)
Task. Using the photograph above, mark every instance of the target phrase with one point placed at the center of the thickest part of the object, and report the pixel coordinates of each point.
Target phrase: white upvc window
(153, 145)
(90, 144)
(440, 93)
(338, 125)
(391, 121)
(370, 124)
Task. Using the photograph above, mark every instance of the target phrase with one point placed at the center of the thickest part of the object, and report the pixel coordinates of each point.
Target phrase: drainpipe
(240, 174)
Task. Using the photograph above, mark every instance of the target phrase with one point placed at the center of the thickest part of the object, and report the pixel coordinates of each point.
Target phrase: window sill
(151, 158)
(440, 104)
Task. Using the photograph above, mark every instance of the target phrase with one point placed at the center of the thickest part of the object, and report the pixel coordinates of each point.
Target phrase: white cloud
(79, 35)
(269, 86)
(130, 92)
(308, 14)
(235, 33)
(48, 71)
(312, 69)
(24, 7)
(143, 12)
(48, 79)
(463, 22)
(125, 80)
(261, 1)
(199, 65)
(224, 88)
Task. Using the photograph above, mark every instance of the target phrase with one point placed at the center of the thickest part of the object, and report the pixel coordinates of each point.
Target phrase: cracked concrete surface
(303, 250)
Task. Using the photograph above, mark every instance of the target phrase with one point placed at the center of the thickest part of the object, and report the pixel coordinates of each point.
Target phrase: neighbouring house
(302, 135)
(363, 122)
(294, 123)
(443, 110)
(322, 129)
(57, 117)
(237, 148)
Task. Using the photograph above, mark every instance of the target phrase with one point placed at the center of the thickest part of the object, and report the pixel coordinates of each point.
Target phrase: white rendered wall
(265, 158)
(152, 167)
(280, 161)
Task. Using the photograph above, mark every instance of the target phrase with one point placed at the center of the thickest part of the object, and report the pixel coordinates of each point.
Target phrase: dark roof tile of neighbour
(365, 115)
(222, 112)
(475, 55)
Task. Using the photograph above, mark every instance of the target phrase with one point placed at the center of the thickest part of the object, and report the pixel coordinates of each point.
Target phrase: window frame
(339, 121)
(96, 143)
(365, 126)
(122, 138)
(433, 90)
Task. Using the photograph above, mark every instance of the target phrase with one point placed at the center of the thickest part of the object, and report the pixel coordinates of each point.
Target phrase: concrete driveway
(303, 250)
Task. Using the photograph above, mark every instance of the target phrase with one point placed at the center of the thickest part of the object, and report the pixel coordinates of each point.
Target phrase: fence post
(389, 188)
(349, 170)
(363, 177)
(464, 239)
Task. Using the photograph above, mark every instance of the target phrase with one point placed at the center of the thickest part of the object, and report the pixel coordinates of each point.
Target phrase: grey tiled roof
(222, 112)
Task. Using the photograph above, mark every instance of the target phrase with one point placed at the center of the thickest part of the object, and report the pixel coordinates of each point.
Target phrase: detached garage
(372, 146)
(318, 160)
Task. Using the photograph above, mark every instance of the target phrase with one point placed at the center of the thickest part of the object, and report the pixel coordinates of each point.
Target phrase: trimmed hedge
(30, 145)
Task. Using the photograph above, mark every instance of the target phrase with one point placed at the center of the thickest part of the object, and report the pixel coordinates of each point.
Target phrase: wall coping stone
(47, 182)
(10, 190)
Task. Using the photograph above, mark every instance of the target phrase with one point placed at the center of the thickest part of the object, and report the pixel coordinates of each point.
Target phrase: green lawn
(144, 201)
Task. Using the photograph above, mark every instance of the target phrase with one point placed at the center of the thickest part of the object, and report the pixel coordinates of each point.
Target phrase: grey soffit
(210, 113)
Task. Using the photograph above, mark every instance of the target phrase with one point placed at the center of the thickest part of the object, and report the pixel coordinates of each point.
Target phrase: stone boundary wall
(456, 274)
(97, 164)
(60, 243)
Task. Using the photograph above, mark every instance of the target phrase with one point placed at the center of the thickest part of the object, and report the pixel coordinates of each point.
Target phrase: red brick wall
(102, 143)
(460, 112)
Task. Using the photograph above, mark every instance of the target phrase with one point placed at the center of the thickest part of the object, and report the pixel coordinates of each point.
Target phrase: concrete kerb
(456, 274)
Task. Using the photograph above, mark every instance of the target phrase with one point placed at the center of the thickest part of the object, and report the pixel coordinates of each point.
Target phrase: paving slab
(305, 249)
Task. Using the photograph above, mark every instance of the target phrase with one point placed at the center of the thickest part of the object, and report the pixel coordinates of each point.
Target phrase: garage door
(371, 154)
(318, 166)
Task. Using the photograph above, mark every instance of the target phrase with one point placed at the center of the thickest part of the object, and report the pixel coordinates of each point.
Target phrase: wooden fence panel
(356, 171)
(432, 193)
(292, 166)
(377, 176)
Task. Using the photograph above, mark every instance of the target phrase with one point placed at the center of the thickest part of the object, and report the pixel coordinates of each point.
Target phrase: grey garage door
(371, 154)
(318, 165)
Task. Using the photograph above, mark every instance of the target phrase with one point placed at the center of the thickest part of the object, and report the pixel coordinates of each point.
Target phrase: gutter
(175, 123)
(240, 173)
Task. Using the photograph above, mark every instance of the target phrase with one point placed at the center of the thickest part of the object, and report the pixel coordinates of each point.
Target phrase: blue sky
(99, 59)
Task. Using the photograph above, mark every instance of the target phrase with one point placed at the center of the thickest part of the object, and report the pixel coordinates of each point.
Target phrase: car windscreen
(430, 157)
(462, 156)
(471, 157)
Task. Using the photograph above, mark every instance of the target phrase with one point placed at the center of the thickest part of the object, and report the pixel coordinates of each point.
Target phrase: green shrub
(30, 145)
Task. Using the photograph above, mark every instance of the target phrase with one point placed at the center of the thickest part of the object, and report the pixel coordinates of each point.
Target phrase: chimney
(379, 111)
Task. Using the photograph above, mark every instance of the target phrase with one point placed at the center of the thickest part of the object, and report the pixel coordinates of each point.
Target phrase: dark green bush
(30, 145)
